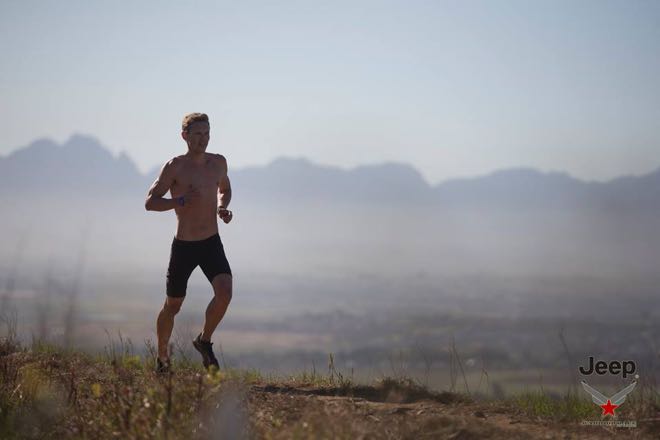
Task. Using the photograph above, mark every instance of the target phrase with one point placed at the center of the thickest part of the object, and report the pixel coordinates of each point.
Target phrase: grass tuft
(566, 408)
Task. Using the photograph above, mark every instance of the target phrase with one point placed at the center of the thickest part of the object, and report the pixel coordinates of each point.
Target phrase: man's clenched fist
(225, 214)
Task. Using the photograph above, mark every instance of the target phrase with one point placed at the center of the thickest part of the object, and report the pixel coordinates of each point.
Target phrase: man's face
(197, 136)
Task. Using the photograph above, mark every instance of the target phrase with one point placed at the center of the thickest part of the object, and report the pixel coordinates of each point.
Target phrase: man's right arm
(155, 200)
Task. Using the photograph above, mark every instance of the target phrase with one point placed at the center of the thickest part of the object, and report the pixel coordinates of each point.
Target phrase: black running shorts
(185, 256)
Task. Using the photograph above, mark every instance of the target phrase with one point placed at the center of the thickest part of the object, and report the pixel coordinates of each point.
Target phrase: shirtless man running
(200, 190)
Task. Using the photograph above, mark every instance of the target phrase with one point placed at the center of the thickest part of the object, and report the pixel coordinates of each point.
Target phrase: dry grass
(53, 392)
(48, 391)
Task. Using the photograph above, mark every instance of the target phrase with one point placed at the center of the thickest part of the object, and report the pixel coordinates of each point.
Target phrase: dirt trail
(369, 413)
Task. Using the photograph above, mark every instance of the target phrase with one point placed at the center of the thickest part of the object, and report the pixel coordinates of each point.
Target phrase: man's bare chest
(205, 178)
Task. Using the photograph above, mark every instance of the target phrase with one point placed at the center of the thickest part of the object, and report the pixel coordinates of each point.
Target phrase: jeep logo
(624, 368)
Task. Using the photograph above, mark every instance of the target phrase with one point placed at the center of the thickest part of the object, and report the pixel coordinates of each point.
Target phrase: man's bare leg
(222, 289)
(165, 324)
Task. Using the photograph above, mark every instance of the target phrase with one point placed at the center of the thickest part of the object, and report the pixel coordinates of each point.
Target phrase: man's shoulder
(217, 158)
(172, 166)
(175, 162)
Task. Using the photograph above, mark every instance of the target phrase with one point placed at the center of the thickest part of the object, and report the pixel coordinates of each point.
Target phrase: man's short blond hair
(191, 118)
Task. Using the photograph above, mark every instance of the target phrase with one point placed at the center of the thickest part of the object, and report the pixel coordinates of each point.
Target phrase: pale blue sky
(454, 88)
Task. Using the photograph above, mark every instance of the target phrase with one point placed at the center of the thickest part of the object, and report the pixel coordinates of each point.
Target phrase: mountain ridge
(83, 164)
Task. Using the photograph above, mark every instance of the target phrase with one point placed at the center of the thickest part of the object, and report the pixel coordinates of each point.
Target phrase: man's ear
(184, 135)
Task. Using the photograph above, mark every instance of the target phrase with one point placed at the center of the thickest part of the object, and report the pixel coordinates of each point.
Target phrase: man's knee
(222, 287)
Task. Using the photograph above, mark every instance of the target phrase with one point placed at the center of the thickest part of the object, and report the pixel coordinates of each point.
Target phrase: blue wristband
(181, 200)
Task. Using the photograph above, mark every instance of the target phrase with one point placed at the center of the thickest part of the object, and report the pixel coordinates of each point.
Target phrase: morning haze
(325, 262)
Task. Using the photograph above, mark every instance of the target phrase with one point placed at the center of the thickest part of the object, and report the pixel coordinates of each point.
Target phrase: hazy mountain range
(82, 166)
(295, 216)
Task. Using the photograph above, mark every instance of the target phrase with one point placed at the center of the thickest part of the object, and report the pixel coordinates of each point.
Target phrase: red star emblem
(608, 408)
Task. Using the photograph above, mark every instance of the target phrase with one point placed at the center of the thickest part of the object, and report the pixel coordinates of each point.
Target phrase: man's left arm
(224, 192)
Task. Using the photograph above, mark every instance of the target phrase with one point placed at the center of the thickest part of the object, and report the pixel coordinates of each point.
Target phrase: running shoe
(162, 367)
(206, 350)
